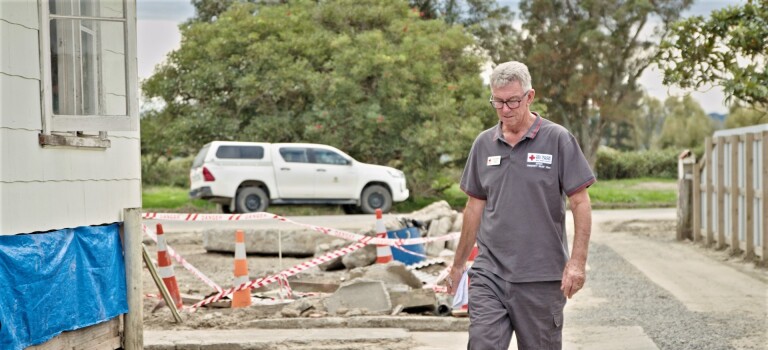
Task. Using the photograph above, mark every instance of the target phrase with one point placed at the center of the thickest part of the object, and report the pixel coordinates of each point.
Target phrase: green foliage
(488, 22)
(371, 78)
(686, 125)
(586, 57)
(740, 116)
(176, 198)
(729, 49)
(164, 172)
(612, 164)
(647, 122)
(634, 193)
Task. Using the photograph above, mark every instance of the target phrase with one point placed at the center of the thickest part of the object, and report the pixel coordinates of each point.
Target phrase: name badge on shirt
(494, 160)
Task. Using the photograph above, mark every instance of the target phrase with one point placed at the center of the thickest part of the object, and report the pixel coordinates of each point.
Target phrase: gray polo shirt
(522, 234)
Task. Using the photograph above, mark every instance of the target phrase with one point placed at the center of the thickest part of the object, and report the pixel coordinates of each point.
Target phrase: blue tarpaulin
(59, 281)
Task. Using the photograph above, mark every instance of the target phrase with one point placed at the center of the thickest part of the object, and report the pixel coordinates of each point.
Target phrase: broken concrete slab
(391, 273)
(362, 257)
(292, 241)
(438, 228)
(417, 298)
(323, 248)
(360, 293)
(412, 323)
(434, 211)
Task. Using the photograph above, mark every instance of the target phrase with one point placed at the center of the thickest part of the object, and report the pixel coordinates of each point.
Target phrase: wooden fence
(729, 192)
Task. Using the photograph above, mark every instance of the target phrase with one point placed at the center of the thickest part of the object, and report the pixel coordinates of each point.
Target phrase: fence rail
(729, 193)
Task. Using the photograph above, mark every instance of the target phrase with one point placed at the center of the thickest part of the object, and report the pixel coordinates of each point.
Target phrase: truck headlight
(395, 173)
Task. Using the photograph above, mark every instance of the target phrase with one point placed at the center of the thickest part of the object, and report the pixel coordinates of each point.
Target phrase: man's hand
(574, 276)
(453, 279)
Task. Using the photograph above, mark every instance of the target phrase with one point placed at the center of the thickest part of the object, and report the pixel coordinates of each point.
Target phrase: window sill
(84, 142)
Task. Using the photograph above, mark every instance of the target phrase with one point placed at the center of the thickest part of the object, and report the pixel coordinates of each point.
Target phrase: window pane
(328, 157)
(294, 155)
(88, 67)
(89, 8)
(240, 152)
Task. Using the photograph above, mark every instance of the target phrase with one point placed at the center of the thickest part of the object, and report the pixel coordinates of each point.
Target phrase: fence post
(685, 195)
(735, 194)
(133, 338)
(696, 188)
(709, 162)
(749, 196)
(764, 200)
(720, 193)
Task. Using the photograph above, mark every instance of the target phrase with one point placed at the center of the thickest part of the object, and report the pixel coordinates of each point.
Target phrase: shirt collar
(532, 131)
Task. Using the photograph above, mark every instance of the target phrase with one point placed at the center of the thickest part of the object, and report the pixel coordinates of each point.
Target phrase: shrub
(165, 172)
(613, 164)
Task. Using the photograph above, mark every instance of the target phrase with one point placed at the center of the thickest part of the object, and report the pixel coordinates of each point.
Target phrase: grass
(634, 193)
(605, 194)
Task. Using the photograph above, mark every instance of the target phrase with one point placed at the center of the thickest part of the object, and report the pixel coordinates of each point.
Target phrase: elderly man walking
(517, 177)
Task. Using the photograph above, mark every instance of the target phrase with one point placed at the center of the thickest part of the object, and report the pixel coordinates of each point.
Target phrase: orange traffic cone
(383, 251)
(241, 298)
(463, 311)
(165, 268)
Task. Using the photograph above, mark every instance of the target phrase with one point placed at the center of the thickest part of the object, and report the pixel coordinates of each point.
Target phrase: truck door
(294, 174)
(335, 177)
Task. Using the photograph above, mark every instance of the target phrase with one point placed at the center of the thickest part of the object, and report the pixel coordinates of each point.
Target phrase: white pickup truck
(246, 177)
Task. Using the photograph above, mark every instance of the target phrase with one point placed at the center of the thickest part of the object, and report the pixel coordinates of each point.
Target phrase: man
(517, 176)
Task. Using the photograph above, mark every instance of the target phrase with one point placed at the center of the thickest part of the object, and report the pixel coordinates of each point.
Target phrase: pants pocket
(556, 334)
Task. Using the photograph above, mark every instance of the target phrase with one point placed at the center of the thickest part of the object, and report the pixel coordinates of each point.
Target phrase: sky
(158, 35)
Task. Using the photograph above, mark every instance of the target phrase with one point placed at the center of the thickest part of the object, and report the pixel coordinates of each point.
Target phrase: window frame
(53, 123)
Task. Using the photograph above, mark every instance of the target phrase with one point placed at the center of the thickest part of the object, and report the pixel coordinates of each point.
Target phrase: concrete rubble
(351, 285)
(360, 294)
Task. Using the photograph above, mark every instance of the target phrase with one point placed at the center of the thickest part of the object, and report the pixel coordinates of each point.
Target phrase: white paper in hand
(462, 292)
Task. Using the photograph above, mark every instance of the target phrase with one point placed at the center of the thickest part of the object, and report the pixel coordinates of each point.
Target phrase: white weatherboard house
(70, 178)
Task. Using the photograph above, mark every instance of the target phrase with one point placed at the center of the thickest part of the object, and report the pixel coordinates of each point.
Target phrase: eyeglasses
(511, 104)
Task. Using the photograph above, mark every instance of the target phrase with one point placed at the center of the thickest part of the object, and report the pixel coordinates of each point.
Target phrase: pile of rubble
(353, 285)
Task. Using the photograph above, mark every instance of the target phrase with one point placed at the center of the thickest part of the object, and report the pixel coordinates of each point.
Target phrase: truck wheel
(375, 197)
(251, 200)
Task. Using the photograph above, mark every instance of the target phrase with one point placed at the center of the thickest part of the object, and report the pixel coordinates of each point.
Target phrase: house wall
(52, 188)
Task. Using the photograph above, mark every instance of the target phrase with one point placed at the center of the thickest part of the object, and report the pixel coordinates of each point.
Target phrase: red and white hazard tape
(257, 283)
(151, 234)
(328, 231)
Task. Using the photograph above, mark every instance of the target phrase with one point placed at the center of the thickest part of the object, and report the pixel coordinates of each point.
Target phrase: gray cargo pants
(497, 308)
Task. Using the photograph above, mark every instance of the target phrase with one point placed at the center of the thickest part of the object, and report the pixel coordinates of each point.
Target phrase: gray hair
(509, 72)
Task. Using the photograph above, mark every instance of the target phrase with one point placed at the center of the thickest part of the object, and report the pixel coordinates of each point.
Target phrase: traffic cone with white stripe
(165, 268)
(383, 251)
(463, 310)
(241, 298)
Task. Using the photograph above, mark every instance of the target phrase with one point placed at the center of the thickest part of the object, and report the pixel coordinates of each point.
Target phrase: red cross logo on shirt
(531, 157)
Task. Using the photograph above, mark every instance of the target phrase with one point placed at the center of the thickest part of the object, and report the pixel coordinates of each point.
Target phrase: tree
(586, 58)
(728, 49)
(686, 125)
(371, 78)
(488, 22)
(647, 123)
(739, 116)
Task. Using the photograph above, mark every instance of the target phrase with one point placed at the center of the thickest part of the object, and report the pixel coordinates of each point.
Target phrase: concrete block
(438, 228)
(414, 298)
(323, 248)
(362, 257)
(360, 293)
(392, 274)
(434, 211)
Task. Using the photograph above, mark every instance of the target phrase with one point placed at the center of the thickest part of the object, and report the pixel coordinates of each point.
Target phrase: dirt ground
(220, 268)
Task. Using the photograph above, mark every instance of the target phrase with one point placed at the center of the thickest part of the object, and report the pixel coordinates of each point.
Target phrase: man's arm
(574, 273)
(471, 224)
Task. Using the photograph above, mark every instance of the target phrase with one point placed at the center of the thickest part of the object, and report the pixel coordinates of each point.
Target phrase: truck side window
(294, 154)
(323, 156)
